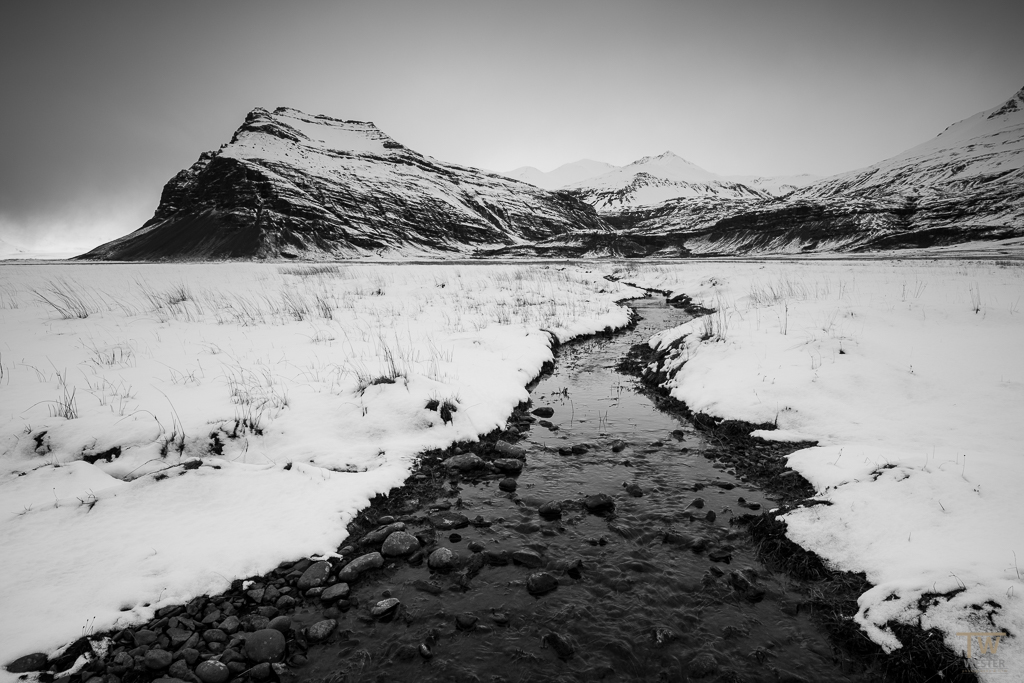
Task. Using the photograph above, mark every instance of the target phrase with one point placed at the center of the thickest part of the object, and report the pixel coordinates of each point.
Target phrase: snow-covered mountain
(964, 185)
(563, 176)
(298, 186)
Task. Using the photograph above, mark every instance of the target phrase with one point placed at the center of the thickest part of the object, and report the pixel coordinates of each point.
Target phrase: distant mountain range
(291, 185)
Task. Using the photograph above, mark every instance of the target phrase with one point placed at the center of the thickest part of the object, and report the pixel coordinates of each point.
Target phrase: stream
(661, 588)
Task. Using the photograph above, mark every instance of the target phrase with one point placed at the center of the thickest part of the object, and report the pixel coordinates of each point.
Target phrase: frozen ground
(300, 390)
(910, 375)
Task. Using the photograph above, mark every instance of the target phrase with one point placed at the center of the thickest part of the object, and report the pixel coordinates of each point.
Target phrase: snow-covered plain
(910, 375)
(301, 389)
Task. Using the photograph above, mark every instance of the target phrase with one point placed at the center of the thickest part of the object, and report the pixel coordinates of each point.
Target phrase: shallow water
(637, 607)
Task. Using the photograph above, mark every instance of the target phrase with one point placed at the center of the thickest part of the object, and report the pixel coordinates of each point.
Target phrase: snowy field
(300, 390)
(910, 375)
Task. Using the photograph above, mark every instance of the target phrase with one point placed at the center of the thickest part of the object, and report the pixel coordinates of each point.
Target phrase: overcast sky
(104, 101)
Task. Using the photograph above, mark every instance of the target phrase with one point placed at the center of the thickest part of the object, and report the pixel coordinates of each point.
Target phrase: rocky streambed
(589, 540)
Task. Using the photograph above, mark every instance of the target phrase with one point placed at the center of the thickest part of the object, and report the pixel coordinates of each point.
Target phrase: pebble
(384, 607)
(633, 489)
(212, 671)
(282, 623)
(178, 669)
(145, 637)
(321, 630)
(399, 544)
(541, 583)
(599, 503)
(316, 575)
(448, 520)
(475, 546)
(550, 510)
(425, 651)
(466, 621)
(711, 516)
(33, 662)
(230, 625)
(697, 503)
(265, 645)
(357, 566)
(545, 412)
(702, 666)
(565, 450)
(464, 463)
(527, 558)
(509, 451)
(618, 446)
(377, 536)
(454, 537)
(261, 672)
(443, 558)
(158, 659)
(508, 484)
(579, 449)
(560, 644)
(508, 465)
(178, 636)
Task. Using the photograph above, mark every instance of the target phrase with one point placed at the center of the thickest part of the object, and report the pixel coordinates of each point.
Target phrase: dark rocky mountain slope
(312, 187)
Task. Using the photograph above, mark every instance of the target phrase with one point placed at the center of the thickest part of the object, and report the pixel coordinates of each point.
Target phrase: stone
(579, 449)
(353, 569)
(618, 446)
(316, 575)
(337, 591)
(282, 623)
(265, 645)
(384, 607)
(560, 644)
(508, 465)
(696, 503)
(565, 450)
(508, 484)
(550, 510)
(230, 625)
(599, 503)
(464, 463)
(377, 536)
(321, 630)
(634, 489)
(442, 559)
(509, 451)
(448, 520)
(33, 662)
(475, 546)
(261, 672)
(497, 558)
(544, 411)
(541, 583)
(190, 655)
(527, 558)
(178, 669)
(711, 516)
(145, 637)
(212, 671)
(702, 666)
(178, 636)
(466, 621)
(400, 544)
(157, 659)
(720, 556)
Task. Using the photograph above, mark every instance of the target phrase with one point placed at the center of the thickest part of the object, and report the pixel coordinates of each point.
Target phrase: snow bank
(911, 378)
(300, 389)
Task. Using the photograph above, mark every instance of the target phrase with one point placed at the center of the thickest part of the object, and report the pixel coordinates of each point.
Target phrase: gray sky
(104, 101)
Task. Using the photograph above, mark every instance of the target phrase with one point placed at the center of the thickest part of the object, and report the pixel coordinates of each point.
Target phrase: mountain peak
(1015, 103)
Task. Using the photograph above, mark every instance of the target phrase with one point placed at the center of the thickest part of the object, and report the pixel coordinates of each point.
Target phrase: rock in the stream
(384, 607)
(560, 644)
(550, 510)
(338, 591)
(544, 412)
(541, 583)
(618, 446)
(448, 520)
(464, 463)
(696, 503)
(466, 621)
(265, 645)
(508, 465)
(399, 544)
(509, 451)
(508, 484)
(212, 671)
(527, 558)
(633, 489)
(442, 559)
(599, 503)
(321, 630)
(314, 576)
(377, 536)
(702, 666)
(353, 569)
